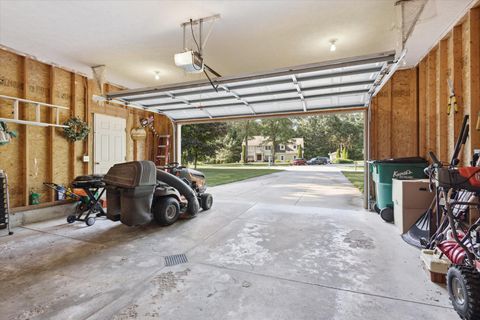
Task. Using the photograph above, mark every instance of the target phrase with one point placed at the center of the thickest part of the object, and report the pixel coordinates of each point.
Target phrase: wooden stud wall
(410, 116)
(41, 154)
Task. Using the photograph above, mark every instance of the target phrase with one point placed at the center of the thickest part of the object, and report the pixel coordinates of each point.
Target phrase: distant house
(260, 150)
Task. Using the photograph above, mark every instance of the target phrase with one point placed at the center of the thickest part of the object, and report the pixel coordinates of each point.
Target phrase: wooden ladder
(162, 157)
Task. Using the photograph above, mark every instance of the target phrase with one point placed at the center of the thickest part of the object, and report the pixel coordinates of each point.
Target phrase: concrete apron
(291, 245)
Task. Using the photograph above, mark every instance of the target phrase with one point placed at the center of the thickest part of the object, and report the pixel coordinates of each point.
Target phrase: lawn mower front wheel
(166, 211)
(206, 201)
(463, 285)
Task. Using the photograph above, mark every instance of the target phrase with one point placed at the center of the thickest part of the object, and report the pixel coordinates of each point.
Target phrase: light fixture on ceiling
(157, 75)
(333, 45)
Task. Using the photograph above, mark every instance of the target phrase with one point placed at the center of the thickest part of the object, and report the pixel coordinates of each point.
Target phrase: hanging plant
(5, 134)
(77, 129)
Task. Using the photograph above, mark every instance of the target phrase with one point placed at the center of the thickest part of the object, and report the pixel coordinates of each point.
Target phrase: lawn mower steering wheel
(173, 166)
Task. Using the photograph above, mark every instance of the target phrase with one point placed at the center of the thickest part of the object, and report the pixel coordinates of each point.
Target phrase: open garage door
(340, 85)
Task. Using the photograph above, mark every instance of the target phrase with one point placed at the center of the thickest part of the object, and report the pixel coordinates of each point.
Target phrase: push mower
(459, 241)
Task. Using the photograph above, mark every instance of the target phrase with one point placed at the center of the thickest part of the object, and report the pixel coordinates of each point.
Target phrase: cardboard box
(411, 198)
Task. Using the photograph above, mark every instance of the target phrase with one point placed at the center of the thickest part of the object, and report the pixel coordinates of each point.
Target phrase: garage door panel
(345, 82)
(266, 98)
(187, 114)
(230, 110)
(272, 107)
(308, 92)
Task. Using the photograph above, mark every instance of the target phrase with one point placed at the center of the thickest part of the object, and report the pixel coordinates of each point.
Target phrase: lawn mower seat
(130, 188)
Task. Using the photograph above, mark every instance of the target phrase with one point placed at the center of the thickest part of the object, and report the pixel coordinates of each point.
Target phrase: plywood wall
(41, 154)
(409, 116)
(394, 117)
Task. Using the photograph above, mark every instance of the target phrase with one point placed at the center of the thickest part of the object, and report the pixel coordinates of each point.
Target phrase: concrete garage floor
(291, 245)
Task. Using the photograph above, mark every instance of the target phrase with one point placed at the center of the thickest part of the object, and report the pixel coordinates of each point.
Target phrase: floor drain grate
(175, 259)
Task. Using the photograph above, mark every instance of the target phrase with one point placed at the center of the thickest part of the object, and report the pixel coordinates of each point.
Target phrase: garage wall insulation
(409, 116)
(41, 154)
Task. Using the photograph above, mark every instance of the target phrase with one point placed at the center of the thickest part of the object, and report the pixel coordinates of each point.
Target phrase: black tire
(166, 210)
(206, 201)
(376, 208)
(387, 214)
(71, 218)
(463, 285)
(185, 190)
(90, 221)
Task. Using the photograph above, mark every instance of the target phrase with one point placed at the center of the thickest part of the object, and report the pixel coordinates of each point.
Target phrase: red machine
(456, 236)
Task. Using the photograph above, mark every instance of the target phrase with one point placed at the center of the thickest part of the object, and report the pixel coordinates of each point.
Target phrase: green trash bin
(383, 171)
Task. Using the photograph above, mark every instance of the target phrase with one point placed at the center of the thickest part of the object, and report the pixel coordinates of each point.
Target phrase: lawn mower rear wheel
(166, 210)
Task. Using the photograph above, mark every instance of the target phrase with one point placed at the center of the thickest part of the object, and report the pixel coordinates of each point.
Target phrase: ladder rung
(160, 157)
(164, 136)
(162, 146)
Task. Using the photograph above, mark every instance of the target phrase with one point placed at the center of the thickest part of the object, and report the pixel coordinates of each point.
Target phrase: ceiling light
(333, 45)
(157, 75)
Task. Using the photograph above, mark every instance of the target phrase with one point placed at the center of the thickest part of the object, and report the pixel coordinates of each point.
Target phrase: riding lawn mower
(138, 192)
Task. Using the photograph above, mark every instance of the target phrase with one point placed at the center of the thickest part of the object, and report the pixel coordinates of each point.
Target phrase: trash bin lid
(401, 160)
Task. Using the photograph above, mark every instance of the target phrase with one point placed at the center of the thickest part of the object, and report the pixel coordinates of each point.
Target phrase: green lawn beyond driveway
(355, 177)
(217, 176)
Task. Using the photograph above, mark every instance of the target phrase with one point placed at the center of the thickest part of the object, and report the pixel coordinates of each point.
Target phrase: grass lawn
(217, 176)
(241, 165)
(355, 177)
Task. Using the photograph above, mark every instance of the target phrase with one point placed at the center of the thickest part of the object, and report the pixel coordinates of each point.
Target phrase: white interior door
(109, 142)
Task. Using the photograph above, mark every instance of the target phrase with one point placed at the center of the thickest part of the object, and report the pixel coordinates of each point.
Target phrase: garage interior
(302, 243)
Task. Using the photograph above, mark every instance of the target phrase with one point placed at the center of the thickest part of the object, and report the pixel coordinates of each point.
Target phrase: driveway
(291, 245)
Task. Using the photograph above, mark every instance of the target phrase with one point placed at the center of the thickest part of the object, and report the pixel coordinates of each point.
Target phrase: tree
(277, 131)
(238, 133)
(326, 133)
(231, 145)
(299, 151)
(200, 141)
(344, 153)
(249, 128)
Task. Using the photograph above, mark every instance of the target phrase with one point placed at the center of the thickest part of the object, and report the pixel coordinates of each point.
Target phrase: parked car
(299, 162)
(318, 160)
